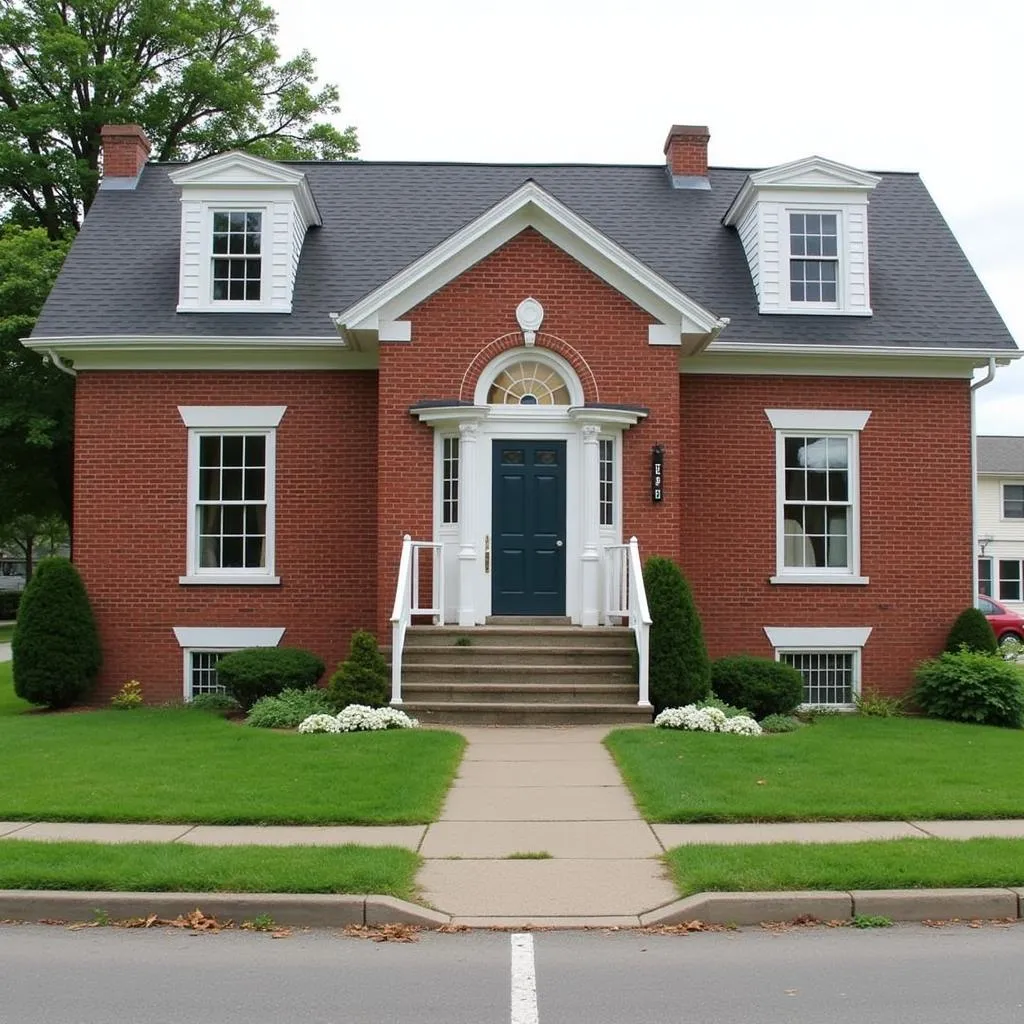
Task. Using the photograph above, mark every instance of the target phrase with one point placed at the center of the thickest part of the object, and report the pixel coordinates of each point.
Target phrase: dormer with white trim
(243, 222)
(804, 228)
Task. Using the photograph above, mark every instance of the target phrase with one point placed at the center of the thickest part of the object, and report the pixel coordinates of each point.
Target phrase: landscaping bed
(874, 864)
(840, 767)
(171, 867)
(183, 765)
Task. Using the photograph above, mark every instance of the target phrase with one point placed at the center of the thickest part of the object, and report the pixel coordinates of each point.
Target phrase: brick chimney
(125, 150)
(686, 156)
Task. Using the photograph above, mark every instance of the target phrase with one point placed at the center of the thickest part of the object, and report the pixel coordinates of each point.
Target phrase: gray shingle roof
(1001, 455)
(121, 276)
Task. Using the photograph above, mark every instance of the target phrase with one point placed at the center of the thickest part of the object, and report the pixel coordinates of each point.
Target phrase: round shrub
(265, 671)
(973, 631)
(970, 687)
(679, 671)
(215, 703)
(363, 677)
(56, 649)
(780, 723)
(288, 709)
(763, 686)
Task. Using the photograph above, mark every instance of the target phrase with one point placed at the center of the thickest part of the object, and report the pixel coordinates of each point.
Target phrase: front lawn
(876, 864)
(842, 767)
(172, 867)
(179, 765)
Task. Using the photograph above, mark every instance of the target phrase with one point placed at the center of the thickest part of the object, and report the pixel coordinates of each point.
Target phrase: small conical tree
(56, 649)
(680, 672)
(363, 677)
(973, 631)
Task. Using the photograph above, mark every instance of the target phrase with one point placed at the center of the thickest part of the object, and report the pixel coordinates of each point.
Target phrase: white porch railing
(626, 598)
(407, 596)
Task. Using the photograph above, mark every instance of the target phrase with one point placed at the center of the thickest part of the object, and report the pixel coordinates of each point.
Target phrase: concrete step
(510, 673)
(479, 713)
(528, 620)
(534, 636)
(490, 654)
(475, 692)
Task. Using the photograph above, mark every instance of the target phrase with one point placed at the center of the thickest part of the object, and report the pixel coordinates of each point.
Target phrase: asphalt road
(906, 974)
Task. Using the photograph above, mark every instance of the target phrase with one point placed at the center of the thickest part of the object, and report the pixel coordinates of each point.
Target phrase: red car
(1006, 624)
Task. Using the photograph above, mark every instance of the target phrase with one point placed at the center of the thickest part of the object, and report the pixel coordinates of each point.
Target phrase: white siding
(749, 230)
(190, 289)
(855, 251)
(1007, 534)
(280, 256)
(772, 239)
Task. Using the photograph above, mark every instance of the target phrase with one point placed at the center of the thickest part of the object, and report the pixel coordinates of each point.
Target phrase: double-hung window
(231, 493)
(1013, 501)
(817, 495)
(236, 269)
(814, 258)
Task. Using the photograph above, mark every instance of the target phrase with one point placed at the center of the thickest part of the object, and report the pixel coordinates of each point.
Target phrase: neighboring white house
(1000, 516)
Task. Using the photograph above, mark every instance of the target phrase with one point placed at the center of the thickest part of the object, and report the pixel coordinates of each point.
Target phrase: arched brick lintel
(551, 342)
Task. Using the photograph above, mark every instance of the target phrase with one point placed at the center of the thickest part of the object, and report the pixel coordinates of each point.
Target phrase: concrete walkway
(537, 829)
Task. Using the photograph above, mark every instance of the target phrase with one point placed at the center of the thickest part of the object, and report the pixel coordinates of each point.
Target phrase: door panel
(528, 528)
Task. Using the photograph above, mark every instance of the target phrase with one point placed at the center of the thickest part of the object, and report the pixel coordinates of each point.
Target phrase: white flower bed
(359, 718)
(319, 723)
(697, 719)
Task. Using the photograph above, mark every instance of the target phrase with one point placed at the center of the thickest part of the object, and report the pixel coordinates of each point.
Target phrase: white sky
(926, 85)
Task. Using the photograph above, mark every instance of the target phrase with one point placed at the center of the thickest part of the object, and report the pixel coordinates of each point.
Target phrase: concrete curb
(298, 910)
(896, 904)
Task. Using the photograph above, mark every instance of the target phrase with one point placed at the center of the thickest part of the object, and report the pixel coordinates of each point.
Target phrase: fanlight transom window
(528, 382)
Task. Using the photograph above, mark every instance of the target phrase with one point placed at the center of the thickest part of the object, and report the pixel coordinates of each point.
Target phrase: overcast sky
(931, 86)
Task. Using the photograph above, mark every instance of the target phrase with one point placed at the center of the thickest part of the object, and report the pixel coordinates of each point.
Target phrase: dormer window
(237, 269)
(813, 257)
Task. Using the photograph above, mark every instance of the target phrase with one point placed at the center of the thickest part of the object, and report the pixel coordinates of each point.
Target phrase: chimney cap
(695, 132)
(126, 131)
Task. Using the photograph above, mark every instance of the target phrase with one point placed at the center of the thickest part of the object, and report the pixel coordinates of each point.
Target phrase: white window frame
(822, 640)
(207, 303)
(208, 420)
(802, 304)
(220, 640)
(845, 423)
(1003, 484)
(993, 579)
(997, 581)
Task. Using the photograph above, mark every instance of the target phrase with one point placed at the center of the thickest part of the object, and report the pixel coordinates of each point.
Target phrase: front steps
(528, 672)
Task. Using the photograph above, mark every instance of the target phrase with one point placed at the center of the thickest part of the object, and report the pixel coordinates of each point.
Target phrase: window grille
(828, 675)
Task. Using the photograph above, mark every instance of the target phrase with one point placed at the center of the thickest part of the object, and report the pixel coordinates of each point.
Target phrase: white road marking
(524, 980)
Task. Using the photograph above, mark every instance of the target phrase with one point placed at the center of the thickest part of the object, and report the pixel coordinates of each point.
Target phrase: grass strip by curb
(172, 867)
(873, 864)
(840, 768)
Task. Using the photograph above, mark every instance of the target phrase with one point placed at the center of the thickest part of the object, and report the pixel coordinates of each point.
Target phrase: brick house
(285, 369)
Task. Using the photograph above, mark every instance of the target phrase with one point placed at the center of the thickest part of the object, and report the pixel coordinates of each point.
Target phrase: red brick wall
(916, 546)
(131, 515)
(449, 330)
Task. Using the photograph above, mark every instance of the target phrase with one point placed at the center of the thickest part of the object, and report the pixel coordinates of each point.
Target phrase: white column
(468, 433)
(590, 557)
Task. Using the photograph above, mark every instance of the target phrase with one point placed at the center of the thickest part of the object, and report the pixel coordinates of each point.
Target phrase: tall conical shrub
(973, 631)
(363, 677)
(56, 648)
(680, 672)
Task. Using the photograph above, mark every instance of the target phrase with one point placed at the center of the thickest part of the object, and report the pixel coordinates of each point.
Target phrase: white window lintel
(817, 637)
(216, 417)
(817, 419)
(227, 637)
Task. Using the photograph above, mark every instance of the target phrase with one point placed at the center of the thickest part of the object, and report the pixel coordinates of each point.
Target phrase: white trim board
(215, 417)
(817, 637)
(224, 637)
(817, 419)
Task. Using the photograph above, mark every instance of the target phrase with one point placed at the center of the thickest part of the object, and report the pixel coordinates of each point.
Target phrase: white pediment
(530, 206)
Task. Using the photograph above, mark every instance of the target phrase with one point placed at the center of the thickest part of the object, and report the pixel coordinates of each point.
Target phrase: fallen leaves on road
(384, 932)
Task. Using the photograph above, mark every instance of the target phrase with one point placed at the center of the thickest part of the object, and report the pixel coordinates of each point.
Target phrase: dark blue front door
(528, 527)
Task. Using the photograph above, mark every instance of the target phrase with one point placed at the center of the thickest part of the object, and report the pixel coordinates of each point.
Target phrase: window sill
(822, 580)
(230, 581)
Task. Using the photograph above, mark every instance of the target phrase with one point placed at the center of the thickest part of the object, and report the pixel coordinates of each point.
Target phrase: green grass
(843, 767)
(876, 864)
(178, 765)
(171, 867)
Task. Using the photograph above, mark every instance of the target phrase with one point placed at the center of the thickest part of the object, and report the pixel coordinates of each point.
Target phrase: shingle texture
(121, 276)
(1001, 455)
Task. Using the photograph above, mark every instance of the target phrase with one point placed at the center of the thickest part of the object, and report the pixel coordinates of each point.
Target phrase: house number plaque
(657, 472)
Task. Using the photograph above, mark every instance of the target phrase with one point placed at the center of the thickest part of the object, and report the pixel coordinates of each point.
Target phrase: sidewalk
(520, 792)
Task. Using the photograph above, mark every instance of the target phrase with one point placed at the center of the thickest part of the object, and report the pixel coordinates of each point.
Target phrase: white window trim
(1003, 517)
(825, 422)
(824, 639)
(203, 421)
(207, 303)
(219, 639)
(841, 261)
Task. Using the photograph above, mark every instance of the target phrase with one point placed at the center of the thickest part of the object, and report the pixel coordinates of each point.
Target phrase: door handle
(558, 543)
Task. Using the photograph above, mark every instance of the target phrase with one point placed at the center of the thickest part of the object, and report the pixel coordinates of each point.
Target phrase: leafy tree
(200, 76)
(679, 670)
(56, 649)
(29, 536)
(35, 398)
